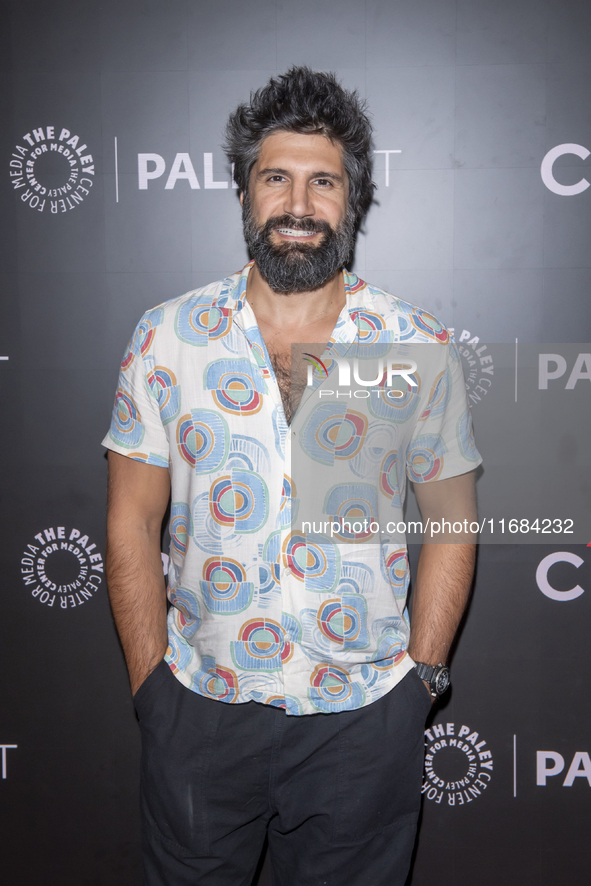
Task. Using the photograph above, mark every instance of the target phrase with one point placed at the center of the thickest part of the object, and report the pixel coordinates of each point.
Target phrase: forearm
(440, 595)
(138, 598)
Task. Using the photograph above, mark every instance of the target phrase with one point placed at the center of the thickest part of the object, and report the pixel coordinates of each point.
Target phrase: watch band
(425, 671)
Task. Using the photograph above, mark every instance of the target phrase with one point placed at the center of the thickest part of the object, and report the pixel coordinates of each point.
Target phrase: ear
(241, 198)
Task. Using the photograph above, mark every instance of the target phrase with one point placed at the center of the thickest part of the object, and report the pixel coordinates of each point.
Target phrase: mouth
(295, 234)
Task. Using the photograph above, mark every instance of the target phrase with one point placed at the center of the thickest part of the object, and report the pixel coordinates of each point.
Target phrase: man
(280, 697)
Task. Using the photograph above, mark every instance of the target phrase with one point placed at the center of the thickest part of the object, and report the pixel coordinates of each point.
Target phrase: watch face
(442, 681)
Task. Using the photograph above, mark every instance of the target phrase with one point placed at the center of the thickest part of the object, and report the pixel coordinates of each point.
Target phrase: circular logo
(52, 170)
(61, 567)
(478, 366)
(458, 765)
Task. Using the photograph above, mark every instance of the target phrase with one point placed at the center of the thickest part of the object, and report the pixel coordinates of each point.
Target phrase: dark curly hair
(305, 101)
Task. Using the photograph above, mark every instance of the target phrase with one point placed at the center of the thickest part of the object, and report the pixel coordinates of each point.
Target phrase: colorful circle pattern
(180, 527)
(163, 385)
(289, 504)
(225, 589)
(396, 409)
(226, 598)
(219, 322)
(321, 432)
(147, 328)
(178, 654)
(222, 502)
(129, 355)
(269, 574)
(192, 322)
(342, 620)
(311, 562)
(217, 682)
(397, 571)
(350, 504)
(259, 356)
(425, 459)
(185, 440)
(389, 475)
(264, 639)
(236, 394)
(262, 645)
(429, 325)
(239, 499)
(223, 571)
(332, 689)
(187, 611)
(370, 326)
(351, 435)
(202, 439)
(126, 425)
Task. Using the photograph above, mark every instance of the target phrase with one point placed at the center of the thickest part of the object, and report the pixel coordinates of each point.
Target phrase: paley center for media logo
(52, 169)
(458, 765)
(477, 363)
(62, 567)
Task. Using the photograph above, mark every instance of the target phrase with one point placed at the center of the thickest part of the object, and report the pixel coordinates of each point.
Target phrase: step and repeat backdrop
(116, 196)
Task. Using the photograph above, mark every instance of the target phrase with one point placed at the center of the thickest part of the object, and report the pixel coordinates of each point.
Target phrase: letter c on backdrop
(542, 576)
(548, 174)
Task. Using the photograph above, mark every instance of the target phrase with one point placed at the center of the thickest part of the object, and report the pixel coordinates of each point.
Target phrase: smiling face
(297, 222)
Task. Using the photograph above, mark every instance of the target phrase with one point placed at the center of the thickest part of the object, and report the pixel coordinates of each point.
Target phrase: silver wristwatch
(437, 676)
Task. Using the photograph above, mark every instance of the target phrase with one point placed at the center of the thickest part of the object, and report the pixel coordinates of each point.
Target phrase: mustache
(296, 224)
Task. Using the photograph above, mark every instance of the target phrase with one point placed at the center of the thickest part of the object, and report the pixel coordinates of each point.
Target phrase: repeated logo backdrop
(116, 196)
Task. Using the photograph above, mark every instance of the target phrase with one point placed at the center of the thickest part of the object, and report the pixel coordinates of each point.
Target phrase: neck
(295, 309)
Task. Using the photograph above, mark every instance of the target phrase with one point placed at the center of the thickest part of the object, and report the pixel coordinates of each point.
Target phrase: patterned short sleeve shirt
(280, 591)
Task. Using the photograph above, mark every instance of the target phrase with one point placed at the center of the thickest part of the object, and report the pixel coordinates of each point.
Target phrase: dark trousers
(337, 794)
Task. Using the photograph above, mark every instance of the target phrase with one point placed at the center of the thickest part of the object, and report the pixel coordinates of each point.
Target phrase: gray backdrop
(473, 95)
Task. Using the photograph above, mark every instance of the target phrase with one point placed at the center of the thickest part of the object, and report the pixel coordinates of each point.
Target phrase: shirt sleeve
(136, 428)
(442, 444)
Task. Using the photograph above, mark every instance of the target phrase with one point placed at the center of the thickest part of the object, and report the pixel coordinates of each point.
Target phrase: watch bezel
(441, 675)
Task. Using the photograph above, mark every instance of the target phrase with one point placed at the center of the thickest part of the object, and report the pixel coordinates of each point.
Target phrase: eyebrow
(275, 170)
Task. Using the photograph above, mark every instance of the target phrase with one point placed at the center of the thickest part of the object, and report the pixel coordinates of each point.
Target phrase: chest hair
(291, 378)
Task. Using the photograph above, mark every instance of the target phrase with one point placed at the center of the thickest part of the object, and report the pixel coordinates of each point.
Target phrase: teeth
(290, 232)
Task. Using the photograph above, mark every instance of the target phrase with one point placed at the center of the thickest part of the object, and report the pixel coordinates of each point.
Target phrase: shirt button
(287, 571)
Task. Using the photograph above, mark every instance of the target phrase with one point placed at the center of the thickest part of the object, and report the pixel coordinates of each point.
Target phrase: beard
(298, 267)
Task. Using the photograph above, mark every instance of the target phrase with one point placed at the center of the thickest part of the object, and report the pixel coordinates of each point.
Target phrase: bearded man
(283, 696)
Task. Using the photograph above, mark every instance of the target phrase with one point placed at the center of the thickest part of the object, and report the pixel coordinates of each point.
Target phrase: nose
(298, 202)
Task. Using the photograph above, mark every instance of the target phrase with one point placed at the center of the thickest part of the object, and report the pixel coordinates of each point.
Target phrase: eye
(276, 178)
(323, 182)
